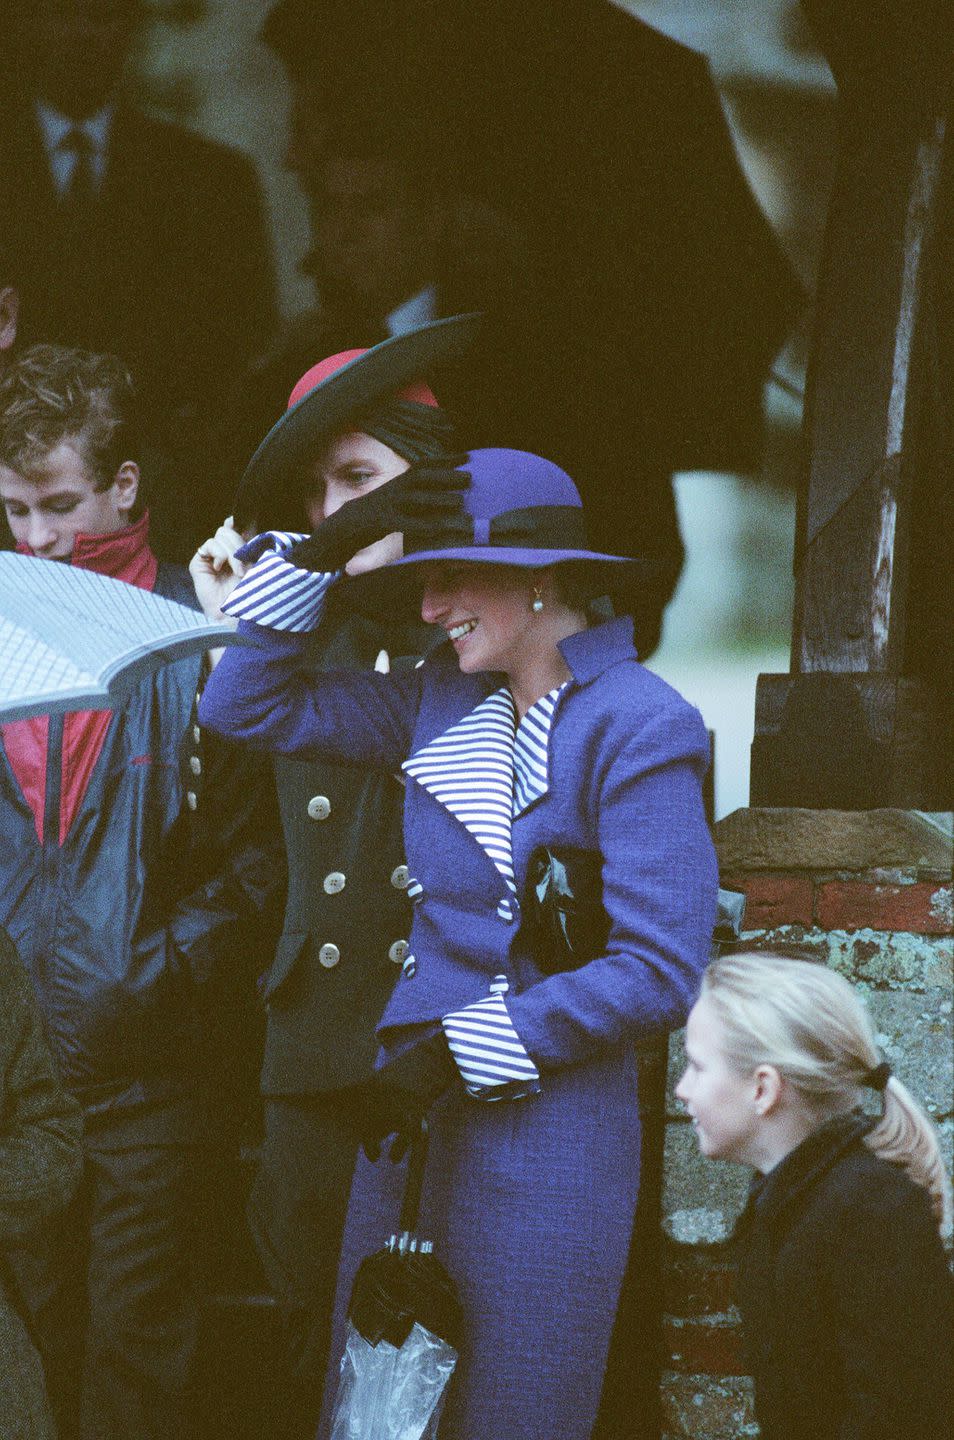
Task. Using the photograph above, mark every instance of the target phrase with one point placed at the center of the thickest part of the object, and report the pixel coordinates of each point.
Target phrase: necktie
(80, 191)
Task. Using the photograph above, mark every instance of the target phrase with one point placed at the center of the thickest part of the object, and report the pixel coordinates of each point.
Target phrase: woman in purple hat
(564, 885)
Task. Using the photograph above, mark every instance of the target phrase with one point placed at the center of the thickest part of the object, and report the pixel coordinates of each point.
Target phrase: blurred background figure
(9, 299)
(570, 174)
(134, 235)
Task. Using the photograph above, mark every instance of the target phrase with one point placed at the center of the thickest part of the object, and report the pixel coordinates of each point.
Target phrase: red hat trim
(417, 390)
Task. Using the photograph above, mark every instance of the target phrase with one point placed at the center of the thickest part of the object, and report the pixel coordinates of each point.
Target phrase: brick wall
(869, 893)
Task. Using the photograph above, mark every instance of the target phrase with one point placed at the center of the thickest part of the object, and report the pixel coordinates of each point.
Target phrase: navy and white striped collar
(468, 768)
(487, 770)
(531, 752)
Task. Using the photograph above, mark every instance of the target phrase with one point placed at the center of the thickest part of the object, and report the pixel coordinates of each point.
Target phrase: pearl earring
(537, 603)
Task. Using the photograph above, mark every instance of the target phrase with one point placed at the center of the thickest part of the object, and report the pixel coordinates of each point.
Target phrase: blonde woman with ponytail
(844, 1285)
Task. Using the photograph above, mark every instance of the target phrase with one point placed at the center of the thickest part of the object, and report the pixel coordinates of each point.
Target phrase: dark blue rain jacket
(145, 913)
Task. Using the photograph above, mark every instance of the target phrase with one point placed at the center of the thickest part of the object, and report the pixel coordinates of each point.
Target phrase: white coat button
(398, 952)
(196, 734)
(195, 764)
(334, 883)
(329, 955)
(319, 807)
(400, 877)
(192, 799)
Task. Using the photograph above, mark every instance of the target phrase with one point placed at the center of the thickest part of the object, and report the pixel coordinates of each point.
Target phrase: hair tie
(878, 1078)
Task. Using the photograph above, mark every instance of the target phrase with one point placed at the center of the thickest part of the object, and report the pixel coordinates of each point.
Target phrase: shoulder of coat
(627, 689)
(173, 582)
(860, 1195)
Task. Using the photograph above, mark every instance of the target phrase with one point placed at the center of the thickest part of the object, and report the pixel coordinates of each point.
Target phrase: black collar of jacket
(773, 1196)
(403, 632)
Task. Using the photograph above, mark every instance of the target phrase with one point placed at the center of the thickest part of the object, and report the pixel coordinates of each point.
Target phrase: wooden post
(864, 718)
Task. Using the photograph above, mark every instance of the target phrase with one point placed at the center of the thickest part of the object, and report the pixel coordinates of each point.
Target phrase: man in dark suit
(393, 246)
(136, 236)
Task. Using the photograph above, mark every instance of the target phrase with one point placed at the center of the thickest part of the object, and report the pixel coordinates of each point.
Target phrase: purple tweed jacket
(626, 759)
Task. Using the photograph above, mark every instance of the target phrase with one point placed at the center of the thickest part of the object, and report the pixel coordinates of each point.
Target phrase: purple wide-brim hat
(518, 510)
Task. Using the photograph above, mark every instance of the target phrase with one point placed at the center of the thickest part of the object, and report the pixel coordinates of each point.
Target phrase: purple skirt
(530, 1204)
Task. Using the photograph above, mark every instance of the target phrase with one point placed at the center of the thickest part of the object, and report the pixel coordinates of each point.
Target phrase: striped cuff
(490, 1056)
(275, 593)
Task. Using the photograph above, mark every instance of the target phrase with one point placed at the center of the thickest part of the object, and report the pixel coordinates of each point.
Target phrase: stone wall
(869, 893)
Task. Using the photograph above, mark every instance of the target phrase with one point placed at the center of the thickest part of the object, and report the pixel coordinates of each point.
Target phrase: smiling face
(351, 465)
(486, 612)
(59, 500)
(721, 1100)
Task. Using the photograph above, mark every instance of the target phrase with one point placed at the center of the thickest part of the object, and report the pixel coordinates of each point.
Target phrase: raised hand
(215, 570)
(420, 501)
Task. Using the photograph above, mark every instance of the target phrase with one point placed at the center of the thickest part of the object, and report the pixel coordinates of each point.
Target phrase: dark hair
(338, 42)
(50, 394)
(578, 584)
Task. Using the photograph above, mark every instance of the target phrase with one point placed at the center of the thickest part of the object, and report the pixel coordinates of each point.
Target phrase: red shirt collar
(123, 554)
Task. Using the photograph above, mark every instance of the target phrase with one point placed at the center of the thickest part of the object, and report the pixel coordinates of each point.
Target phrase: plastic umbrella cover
(403, 1332)
(392, 1391)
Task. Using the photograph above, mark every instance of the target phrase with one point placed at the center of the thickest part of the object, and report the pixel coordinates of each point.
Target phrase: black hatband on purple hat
(553, 527)
(521, 510)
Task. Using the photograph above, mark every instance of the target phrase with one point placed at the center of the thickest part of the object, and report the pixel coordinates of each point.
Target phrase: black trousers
(114, 1290)
(296, 1211)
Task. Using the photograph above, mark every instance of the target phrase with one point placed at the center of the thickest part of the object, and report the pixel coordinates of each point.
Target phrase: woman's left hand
(394, 1099)
(377, 1110)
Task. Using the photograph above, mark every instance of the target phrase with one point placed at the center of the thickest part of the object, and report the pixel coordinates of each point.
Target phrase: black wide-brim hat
(339, 392)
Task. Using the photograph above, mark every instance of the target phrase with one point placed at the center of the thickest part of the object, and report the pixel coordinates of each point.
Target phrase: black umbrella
(403, 1332)
(891, 53)
(655, 275)
(661, 281)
